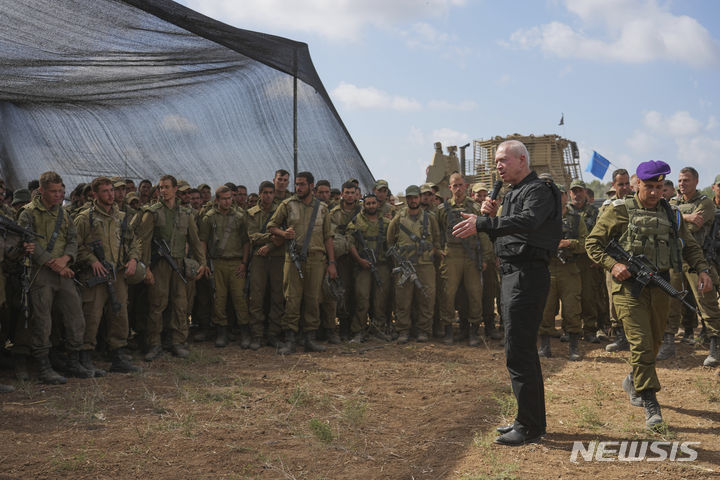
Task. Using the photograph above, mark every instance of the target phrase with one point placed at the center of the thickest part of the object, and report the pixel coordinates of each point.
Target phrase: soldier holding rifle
(644, 224)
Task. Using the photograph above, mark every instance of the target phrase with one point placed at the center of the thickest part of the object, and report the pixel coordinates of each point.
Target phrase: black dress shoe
(504, 428)
(515, 438)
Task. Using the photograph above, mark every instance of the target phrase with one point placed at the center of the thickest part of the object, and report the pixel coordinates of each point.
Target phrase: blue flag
(598, 165)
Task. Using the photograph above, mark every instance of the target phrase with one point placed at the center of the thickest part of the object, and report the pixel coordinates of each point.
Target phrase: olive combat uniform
(119, 245)
(421, 254)
(339, 221)
(266, 276)
(565, 287)
(654, 233)
(707, 302)
(462, 263)
(176, 227)
(226, 238)
(366, 287)
(594, 290)
(51, 288)
(303, 292)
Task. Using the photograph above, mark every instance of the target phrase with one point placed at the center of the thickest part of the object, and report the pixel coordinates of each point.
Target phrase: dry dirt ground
(419, 411)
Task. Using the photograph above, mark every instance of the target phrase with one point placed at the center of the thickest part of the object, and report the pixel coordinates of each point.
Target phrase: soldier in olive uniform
(266, 269)
(328, 303)
(53, 283)
(169, 224)
(645, 224)
(305, 219)
(224, 235)
(463, 261)
(382, 191)
(367, 234)
(103, 230)
(594, 292)
(416, 235)
(340, 218)
(698, 214)
(565, 283)
(620, 188)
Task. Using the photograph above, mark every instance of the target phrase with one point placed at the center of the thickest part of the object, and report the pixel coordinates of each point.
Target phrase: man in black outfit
(526, 236)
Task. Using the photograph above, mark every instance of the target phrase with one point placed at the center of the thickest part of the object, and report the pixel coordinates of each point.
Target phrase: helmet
(191, 268)
(138, 276)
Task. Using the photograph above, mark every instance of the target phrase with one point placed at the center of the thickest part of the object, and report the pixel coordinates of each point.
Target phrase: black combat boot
(574, 354)
(289, 345)
(333, 337)
(221, 336)
(667, 348)
(629, 387)
(245, 337)
(120, 364)
(76, 369)
(491, 332)
(58, 359)
(47, 375)
(20, 366)
(620, 343)
(179, 350)
(87, 362)
(712, 360)
(688, 336)
(311, 344)
(154, 352)
(473, 337)
(256, 343)
(653, 417)
(448, 337)
(544, 350)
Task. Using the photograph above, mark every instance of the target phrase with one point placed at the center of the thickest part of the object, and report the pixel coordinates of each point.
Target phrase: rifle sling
(56, 232)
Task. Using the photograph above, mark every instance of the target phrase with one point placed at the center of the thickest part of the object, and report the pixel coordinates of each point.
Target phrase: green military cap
(611, 191)
(479, 187)
(562, 188)
(577, 183)
(117, 182)
(381, 184)
(335, 191)
(353, 180)
(426, 187)
(412, 190)
(203, 185)
(21, 195)
(717, 180)
(131, 196)
(183, 186)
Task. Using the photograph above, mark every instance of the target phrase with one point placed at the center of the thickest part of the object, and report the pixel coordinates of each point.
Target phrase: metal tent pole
(295, 131)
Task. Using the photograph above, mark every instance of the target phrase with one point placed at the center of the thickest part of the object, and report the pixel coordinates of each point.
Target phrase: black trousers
(524, 290)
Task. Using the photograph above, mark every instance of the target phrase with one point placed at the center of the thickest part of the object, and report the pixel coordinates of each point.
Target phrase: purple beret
(654, 170)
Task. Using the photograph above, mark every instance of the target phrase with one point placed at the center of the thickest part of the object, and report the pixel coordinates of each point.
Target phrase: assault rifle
(163, 251)
(108, 278)
(406, 269)
(28, 236)
(644, 274)
(368, 254)
(295, 256)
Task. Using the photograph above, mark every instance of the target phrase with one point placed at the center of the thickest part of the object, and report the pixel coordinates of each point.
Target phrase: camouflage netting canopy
(140, 88)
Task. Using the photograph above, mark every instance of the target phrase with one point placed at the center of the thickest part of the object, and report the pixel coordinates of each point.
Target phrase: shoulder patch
(618, 202)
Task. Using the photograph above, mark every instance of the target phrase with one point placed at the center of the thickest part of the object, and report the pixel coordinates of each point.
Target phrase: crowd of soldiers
(152, 268)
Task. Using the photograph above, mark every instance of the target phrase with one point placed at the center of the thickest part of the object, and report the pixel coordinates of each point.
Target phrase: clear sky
(636, 80)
